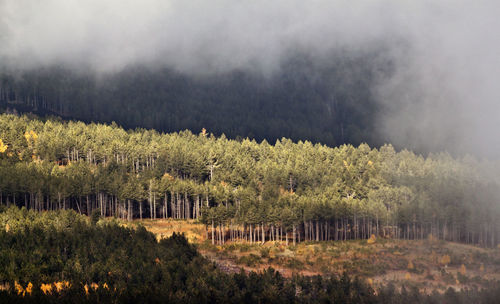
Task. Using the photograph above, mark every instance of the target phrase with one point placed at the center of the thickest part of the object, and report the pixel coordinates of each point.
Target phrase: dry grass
(380, 260)
(194, 232)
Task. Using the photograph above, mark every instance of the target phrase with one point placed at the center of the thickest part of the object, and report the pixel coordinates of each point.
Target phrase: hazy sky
(443, 92)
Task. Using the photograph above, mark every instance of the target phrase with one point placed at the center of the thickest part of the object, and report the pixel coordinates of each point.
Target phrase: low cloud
(441, 93)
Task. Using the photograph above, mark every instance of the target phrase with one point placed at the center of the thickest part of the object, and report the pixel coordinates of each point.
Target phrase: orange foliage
(372, 239)
(29, 288)
(46, 288)
(463, 270)
(410, 265)
(168, 176)
(18, 287)
(445, 260)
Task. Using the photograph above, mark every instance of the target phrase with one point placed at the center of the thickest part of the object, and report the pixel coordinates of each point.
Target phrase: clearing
(428, 265)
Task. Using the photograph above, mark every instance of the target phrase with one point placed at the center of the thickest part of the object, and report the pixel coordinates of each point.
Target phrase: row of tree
(258, 192)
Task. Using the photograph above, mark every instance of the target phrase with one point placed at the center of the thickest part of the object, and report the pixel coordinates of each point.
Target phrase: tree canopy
(243, 189)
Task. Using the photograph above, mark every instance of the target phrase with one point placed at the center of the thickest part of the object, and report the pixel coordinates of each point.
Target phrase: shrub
(249, 260)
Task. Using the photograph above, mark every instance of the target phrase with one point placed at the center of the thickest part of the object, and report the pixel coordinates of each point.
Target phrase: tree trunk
(263, 234)
(140, 210)
(150, 199)
(213, 237)
(317, 230)
(129, 212)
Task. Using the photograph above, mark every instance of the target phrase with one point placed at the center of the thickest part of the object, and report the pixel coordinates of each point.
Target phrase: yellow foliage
(410, 265)
(3, 147)
(370, 163)
(30, 136)
(463, 270)
(345, 164)
(407, 276)
(168, 176)
(105, 286)
(372, 239)
(46, 288)
(61, 285)
(445, 260)
(369, 281)
(33, 135)
(7, 227)
(29, 288)
(18, 288)
(58, 286)
(204, 132)
(481, 268)
(456, 281)
(285, 193)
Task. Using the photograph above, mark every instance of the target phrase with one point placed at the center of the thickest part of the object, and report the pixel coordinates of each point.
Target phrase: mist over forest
(169, 151)
(417, 75)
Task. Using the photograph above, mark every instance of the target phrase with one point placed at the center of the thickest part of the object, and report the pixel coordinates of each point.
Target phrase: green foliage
(62, 245)
(95, 216)
(321, 193)
(264, 252)
(249, 260)
(294, 263)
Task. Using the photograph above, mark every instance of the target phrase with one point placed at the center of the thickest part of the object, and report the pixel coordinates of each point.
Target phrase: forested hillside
(63, 257)
(329, 102)
(245, 189)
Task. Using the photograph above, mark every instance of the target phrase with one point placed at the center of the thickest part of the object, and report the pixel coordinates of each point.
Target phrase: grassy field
(429, 265)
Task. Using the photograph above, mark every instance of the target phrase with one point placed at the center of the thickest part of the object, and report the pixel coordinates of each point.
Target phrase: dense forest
(242, 189)
(329, 102)
(63, 257)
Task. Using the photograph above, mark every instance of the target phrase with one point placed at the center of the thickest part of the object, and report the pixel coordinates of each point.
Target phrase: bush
(294, 264)
(264, 252)
(95, 216)
(249, 260)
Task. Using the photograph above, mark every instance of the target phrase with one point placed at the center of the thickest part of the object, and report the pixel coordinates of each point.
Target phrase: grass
(380, 261)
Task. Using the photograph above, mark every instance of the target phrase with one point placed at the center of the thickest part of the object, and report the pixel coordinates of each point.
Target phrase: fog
(441, 94)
